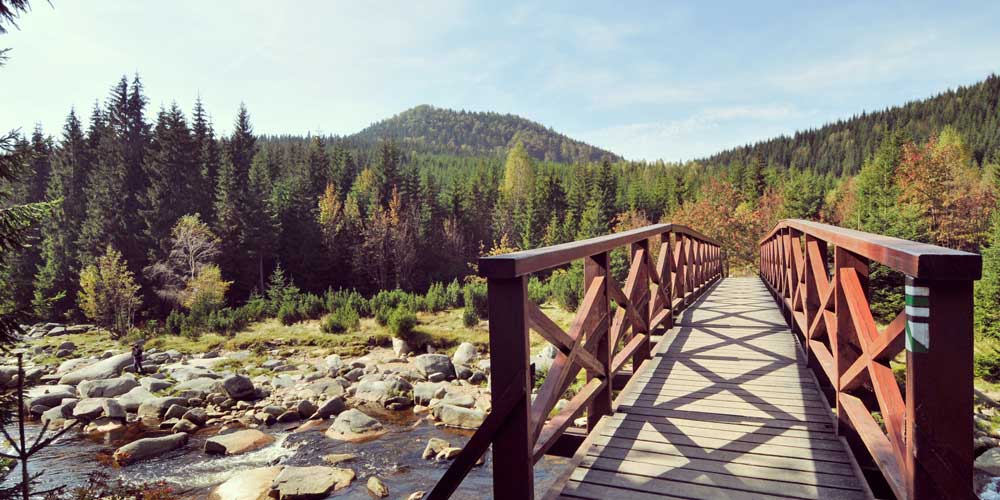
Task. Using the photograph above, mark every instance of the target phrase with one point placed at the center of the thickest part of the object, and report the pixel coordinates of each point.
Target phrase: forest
(184, 223)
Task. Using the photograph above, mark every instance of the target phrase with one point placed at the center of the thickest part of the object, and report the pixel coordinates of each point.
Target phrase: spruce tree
(172, 176)
(207, 158)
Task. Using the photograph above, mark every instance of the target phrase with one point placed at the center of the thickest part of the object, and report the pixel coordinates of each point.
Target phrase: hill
(437, 130)
(842, 147)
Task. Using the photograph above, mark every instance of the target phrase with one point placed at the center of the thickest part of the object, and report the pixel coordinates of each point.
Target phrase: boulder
(463, 372)
(464, 354)
(477, 378)
(89, 409)
(456, 416)
(155, 408)
(302, 483)
(331, 407)
(149, 447)
(112, 409)
(372, 390)
(288, 417)
(198, 387)
(434, 446)
(154, 384)
(306, 408)
(237, 442)
(424, 392)
(239, 388)
(352, 425)
(106, 388)
(58, 415)
(176, 410)
(463, 400)
(253, 484)
(543, 360)
(104, 369)
(429, 364)
(377, 488)
(105, 428)
(184, 426)
(133, 399)
(334, 363)
(48, 395)
(989, 462)
(73, 364)
(196, 416)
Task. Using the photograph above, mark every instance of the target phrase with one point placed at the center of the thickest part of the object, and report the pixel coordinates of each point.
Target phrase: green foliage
(453, 294)
(311, 306)
(987, 289)
(567, 287)
(288, 313)
(341, 320)
(538, 290)
(109, 294)
(436, 298)
(347, 298)
(401, 322)
(469, 317)
(475, 298)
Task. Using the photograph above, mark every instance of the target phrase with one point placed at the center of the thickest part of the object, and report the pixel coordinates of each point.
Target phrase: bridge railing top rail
(513, 265)
(918, 260)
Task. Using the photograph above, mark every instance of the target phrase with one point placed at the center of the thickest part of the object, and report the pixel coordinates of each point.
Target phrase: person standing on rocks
(137, 358)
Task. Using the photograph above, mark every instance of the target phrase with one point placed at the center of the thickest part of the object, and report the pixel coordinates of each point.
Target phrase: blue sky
(647, 80)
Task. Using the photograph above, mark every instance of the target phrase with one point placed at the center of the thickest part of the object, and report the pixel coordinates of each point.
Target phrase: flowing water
(394, 458)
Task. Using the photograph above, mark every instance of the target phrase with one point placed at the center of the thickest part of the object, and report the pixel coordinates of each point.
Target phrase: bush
(109, 294)
(288, 313)
(174, 323)
(566, 287)
(340, 321)
(469, 317)
(382, 315)
(280, 290)
(475, 297)
(436, 298)
(227, 321)
(538, 291)
(453, 294)
(986, 361)
(206, 292)
(311, 306)
(401, 322)
(347, 298)
(256, 309)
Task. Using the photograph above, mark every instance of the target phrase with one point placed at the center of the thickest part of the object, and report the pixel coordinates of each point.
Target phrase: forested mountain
(843, 146)
(436, 130)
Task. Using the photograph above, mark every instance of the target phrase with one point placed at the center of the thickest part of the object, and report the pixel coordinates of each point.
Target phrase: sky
(647, 80)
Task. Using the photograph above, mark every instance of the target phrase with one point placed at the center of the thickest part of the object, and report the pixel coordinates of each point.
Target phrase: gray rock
(424, 392)
(288, 417)
(106, 388)
(397, 403)
(89, 409)
(250, 484)
(377, 488)
(58, 415)
(306, 408)
(400, 347)
(237, 442)
(196, 416)
(302, 483)
(113, 410)
(334, 363)
(434, 446)
(456, 416)
(477, 378)
(104, 369)
(463, 372)
(239, 388)
(48, 395)
(372, 390)
(463, 400)
(175, 411)
(184, 426)
(131, 400)
(437, 377)
(73, 364)
(354, 374)
(429, 364)
(330, 407)
(354, 421)
(155, 408)
(198, 387)
(149, 447)
(464, 354)
(154, 384)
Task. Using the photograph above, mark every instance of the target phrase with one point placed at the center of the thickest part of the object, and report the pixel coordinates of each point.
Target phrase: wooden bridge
(699, 385)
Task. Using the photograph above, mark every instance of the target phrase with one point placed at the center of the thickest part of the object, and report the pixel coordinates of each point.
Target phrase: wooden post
(939, 403)
(512, 445)
(642, 293)
(666, 277)
(594, 267)
(843, 352)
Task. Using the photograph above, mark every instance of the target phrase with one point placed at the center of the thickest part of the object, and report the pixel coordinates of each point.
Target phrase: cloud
(689, 137)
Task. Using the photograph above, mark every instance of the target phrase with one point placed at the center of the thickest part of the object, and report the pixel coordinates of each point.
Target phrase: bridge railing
(819, 274)
(600, 340)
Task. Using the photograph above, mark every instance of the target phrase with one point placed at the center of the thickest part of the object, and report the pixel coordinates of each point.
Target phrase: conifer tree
(171, 175)
(207, 158)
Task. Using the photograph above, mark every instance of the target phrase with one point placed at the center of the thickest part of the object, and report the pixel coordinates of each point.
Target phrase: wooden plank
(637, 421)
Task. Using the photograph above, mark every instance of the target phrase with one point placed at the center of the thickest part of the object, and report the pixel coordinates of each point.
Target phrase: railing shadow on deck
(600, 341)
(924, 444)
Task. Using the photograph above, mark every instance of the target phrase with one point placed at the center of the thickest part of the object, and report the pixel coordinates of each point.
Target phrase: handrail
(924, 443)
(912, 258)
(600, 340)
(516, 264)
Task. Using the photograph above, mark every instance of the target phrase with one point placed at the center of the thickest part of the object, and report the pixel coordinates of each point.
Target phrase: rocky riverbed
(241, 424)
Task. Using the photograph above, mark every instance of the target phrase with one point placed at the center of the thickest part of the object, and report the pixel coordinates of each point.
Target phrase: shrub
(436, 298)
(288, 313)
(986, 361)
(280, 290)
(538, 291)
(402, 320)
(109, 294)
(350, 298)
(475, 296)
(310, 306)
(469, 317)
(382, 315)
(453, 294)
(175, 320)
(566, 287)
(340, 321)
(227, 321)
(205, 292)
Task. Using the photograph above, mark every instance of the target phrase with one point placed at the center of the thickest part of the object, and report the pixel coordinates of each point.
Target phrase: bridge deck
(725, 409)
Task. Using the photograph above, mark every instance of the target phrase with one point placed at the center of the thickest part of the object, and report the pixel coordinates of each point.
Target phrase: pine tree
(55, 283)
(207, 158)
(258, 223)
(387, 171)
(318, 168)
(987, 289)
(172, 176)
